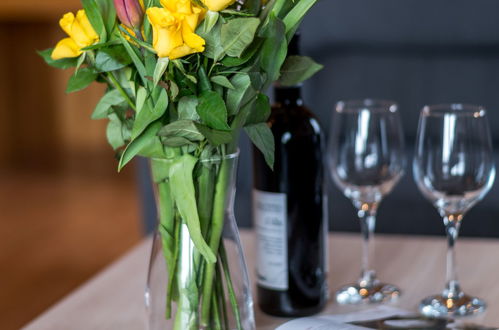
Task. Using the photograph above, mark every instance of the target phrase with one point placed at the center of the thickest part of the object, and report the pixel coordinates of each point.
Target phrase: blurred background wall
(59, 189)
(415, 52)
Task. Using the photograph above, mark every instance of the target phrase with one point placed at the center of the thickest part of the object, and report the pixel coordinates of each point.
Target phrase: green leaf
(148, 115)
(258, 79)
(81, 79)
(64, 63)
(237, 12)
(204, 82)
(150, 61)
(114, 132)
(81, 60)
(153, 149)
(274, 48)
(212, 111)
(222, 81)
(134, 40)
(182, 128)
(174, 90)
(236, 96)
(112, 58)
(280, 8)
(191, 78)
(295, 15)
(108, 13)
(184, 195)
(140, 99)
(210, 19)
(102, 45)
(93, 13)
(111, 98)
(160, 169)
(124, 77)
(177, 141)
(261, 110)
(215, 137)
(187, 108)
(139, 65)
(249, 8)
(141, 141)
(237, 34)
(297, 69)
(252, 7)
(240, 118)
(213, 48)
(263, 139)
(252, 49)
(160, 69)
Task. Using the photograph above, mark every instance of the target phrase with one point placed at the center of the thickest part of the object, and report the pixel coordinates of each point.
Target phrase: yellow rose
(217, 5)
(81, 34)
(173, 28)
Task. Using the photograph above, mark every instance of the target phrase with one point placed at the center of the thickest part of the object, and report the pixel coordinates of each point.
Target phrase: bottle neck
(287, 96)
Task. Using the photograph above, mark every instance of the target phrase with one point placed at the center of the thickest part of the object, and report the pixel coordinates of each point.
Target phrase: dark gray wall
(413, 52)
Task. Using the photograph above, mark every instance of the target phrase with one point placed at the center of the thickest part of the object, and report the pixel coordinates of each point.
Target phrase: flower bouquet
(183, 78)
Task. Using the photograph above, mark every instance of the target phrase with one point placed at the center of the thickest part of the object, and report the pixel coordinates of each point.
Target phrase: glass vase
(184, 290)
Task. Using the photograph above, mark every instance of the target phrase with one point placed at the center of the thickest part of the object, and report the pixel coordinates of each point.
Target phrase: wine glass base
(440, 306)
(355, 294)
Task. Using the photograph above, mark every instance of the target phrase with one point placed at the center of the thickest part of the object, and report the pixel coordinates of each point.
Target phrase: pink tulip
(130, 13)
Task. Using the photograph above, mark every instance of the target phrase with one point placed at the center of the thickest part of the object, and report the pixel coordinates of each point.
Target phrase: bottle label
(270, 218)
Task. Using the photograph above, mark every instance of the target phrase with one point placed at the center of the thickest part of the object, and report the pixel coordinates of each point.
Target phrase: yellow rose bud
(81, 34)
(173, 28)
(217, 5)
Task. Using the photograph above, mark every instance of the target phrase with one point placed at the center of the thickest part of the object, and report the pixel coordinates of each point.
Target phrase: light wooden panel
(114, 299)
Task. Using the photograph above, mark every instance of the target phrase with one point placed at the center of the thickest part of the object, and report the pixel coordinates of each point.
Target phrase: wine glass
(366, 160)
(454, 169)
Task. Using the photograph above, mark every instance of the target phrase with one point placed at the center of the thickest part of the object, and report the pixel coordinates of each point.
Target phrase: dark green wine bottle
(289, 211)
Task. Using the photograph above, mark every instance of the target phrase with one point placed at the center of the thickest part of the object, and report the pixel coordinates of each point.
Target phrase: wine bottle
(289, 210)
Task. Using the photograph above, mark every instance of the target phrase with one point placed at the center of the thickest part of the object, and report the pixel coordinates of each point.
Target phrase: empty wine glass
(454, 169)
(366, 160)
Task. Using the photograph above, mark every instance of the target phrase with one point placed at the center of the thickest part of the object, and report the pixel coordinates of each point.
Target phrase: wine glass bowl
(454, 166)
(454, 169)
(366, 160)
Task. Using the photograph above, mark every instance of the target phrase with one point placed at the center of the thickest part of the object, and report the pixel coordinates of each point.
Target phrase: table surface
(114, 298)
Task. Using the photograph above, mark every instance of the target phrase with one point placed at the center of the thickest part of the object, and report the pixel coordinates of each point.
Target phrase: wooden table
(114, 298)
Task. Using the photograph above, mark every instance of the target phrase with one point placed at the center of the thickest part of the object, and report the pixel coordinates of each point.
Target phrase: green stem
(216, 314)
(187, 317)
(219, 291)
(214, 239)
(230, 287)
(117, 85)
(201, 270)
(166, 208)
(205, 197)
(276, 9)
(170, 291)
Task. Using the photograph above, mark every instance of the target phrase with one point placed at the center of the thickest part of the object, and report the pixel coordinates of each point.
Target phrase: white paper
(338, 322)
(270, 218)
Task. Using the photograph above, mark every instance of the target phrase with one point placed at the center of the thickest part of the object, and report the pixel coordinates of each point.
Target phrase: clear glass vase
(184, 290)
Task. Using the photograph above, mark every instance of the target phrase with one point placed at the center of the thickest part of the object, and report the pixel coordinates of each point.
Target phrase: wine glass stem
(367, 224)
(452, 224)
